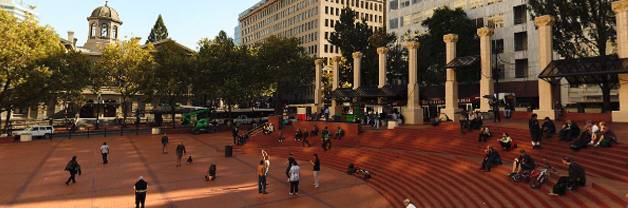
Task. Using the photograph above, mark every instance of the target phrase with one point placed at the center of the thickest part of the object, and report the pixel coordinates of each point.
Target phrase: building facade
(310, 21)
(515, 42)
(18, 8)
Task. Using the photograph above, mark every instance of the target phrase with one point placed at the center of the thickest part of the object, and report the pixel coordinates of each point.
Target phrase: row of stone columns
(413, 111)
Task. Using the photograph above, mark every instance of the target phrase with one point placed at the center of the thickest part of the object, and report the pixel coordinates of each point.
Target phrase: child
(189, 160)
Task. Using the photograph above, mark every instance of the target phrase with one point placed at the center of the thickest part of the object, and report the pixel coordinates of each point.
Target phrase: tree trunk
(124, 111)
(606, 97)
(174, 112)
(7, 125)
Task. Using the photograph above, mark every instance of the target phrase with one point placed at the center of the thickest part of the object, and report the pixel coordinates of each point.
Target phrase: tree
(350, 36)
(582, 28)
(128, 65)
(445, 21)
(159, 31)
(171, 79)
(24, 48)
(284, 67)
(69, 72)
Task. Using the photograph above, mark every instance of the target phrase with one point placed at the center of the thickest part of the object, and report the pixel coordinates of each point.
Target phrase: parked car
(45, 131)
(244, 119)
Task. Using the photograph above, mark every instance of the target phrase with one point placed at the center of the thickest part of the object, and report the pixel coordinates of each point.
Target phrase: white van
(37, 131)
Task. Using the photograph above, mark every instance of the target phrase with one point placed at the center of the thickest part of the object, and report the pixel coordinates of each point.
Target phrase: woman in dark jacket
(73, 168)
(535, 131)
(491, 158)
(549, 129)
(583, 140)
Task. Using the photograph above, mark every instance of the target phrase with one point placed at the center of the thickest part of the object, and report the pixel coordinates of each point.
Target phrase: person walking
(104, 150)
(140, 188)
(294, 179)
(73, 168)
(164, 144)
(180, 152)
(316, 169)
(261, 177)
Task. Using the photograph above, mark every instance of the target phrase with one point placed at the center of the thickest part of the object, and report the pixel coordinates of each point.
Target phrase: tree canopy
(159, 31)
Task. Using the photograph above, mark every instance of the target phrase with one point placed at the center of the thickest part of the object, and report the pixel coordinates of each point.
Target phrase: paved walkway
(32, 175)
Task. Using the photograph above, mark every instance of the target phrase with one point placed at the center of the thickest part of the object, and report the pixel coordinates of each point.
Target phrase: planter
(155, 131)
(26, 138)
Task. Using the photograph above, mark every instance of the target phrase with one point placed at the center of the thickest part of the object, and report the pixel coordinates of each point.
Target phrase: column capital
(318, 62)
(412, 44)
(545, 20)
(485, 32)
(357, 55)
(450, 38)
(382, 50)
(620, 6)
(335, 59)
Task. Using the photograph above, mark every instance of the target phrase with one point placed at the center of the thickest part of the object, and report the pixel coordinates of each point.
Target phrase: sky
(187, 21)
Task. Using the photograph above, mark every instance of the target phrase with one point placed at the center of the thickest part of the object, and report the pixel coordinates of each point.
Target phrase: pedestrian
(104, 150)
(294, 179)
(496, 113)
(234, 133)
(73, 168)
(261, 177)
(408, 204)
(316, 169)
(290, 161)
(180, 152)
(140, 187)
(164, 144)
(535, 131)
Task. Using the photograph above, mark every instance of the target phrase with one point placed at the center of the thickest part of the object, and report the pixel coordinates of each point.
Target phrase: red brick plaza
(432, 166)
(32, 175)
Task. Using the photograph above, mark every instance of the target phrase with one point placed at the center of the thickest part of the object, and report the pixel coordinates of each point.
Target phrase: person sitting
(211, 173)
(491, 158)
(606, 137)
(523, 163)
(569, 131)
(505, 142)
(476, 120)
(575, 179)
(548, 127)
(583, 140)
(270, 128)
(314, 131)
(485, 133)
(339, 133)
(298, 136)
(305, 141)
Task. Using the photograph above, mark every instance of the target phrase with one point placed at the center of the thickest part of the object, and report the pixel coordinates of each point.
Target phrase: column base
(541, 114)
(451, 113)
(620, 116)
(413, 116)
(333, 108)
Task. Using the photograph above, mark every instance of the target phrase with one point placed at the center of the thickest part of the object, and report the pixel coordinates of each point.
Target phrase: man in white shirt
(408, 204)
(104, 150)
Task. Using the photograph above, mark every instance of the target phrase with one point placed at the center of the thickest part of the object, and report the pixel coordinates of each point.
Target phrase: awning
(589, 70)
(463, 62)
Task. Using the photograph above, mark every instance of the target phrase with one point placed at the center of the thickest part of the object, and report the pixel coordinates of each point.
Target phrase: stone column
(413, 112)
(451, 85)
(357, 62)
(334, 84)
(621, 17)
(317, 86)
(382, 51)
(486, 75)
(544, 27)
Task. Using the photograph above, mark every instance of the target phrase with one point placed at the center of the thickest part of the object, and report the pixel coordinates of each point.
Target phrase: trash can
(228, 151)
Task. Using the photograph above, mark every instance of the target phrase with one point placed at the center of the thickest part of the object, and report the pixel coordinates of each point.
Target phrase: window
(498, 46)
(115, 32)
(394, 4)
(521, 68)
(520, 14)
(394, 23)
(496, 21)
(104, 30)
(325, 48)
(479, 22)
(93, 30)
(405, 3)
(521, 41)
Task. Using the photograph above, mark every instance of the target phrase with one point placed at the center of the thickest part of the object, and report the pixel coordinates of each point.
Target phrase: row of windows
(362, 16)
(465, 4)
(328, 48)
(104, 31)
(281, 15)
(370, 5)
(276, 6)
(287, 31)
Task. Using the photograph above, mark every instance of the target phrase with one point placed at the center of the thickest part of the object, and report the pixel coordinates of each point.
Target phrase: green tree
(582, 28)
(69, 72)
(159, 31)
(432, 48)
(128, 65)
(24, 49)
(170, 80)
(284, 67)
(350, 35)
